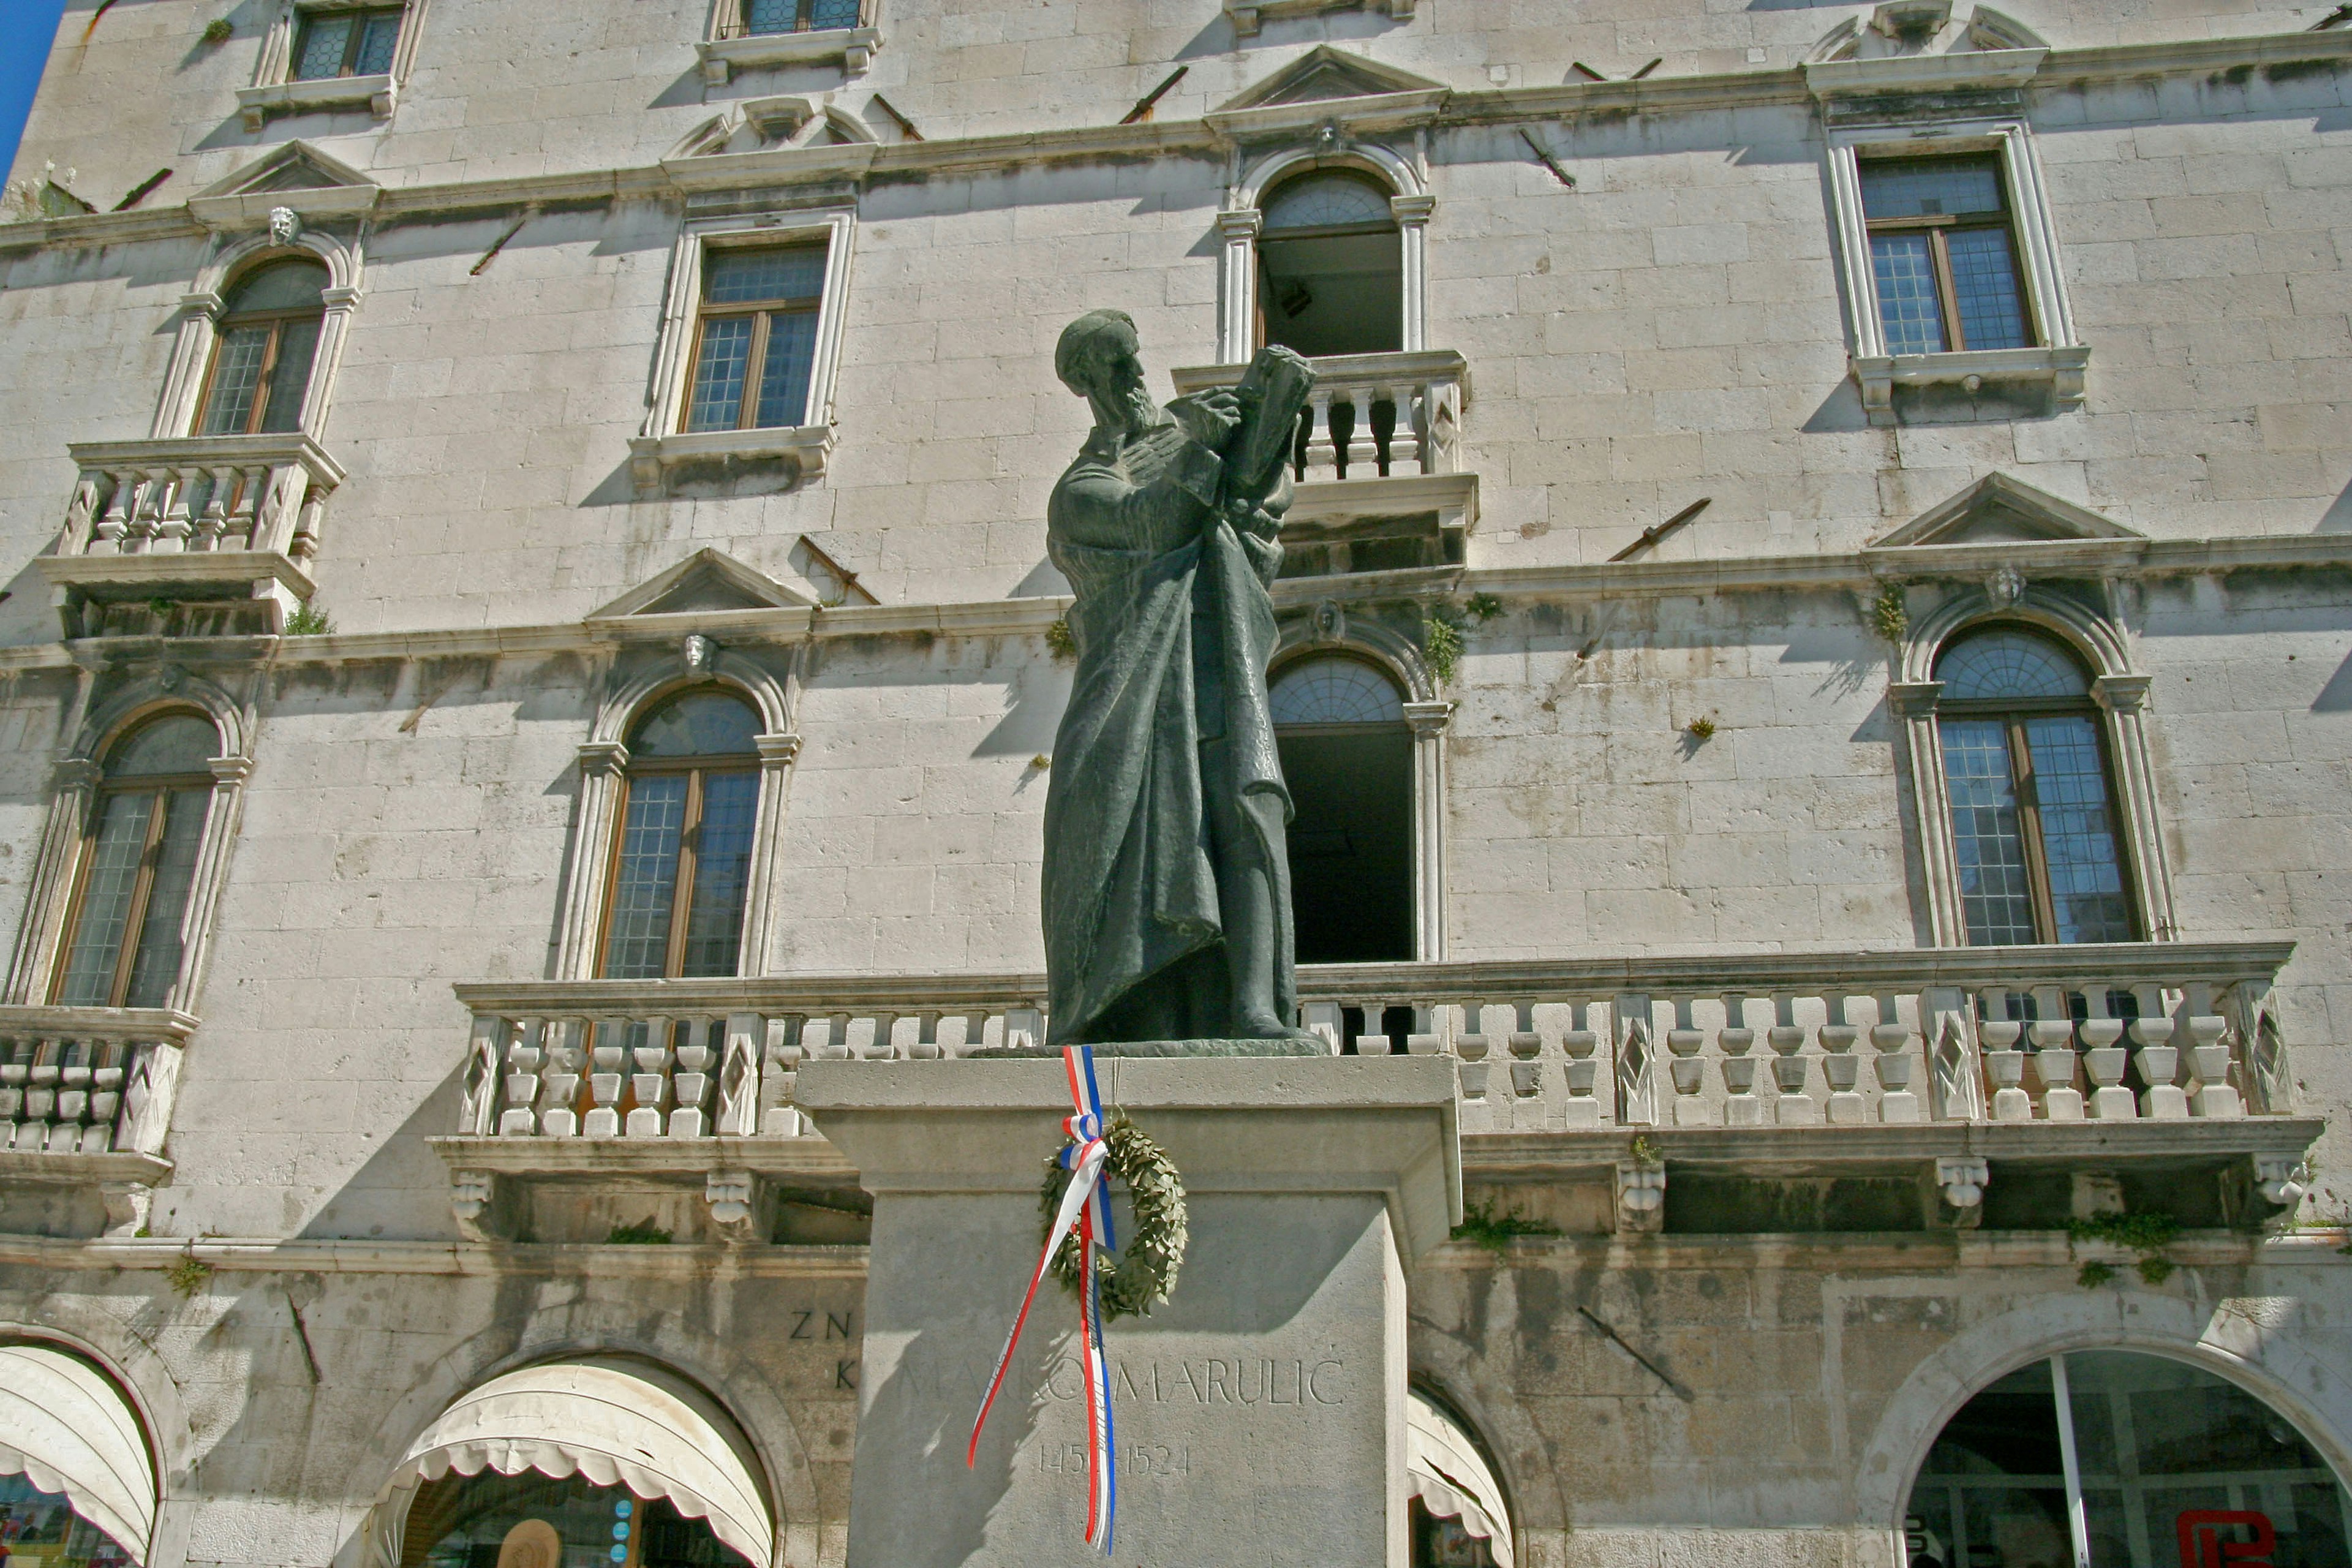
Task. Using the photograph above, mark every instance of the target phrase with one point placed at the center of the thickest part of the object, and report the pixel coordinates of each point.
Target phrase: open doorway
(1330, 267)
(1346, 755)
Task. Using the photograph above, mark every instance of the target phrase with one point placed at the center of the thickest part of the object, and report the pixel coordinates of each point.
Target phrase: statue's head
(1096, 358)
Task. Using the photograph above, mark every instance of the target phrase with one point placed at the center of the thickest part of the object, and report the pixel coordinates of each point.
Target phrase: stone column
(604, 767)
(2124, 700)
(776, 754)
(71, 791)
(1259, 1414)
(1914, 703)
(222, 813)
(1429, 721)
(1238, 285)
(1411, 213)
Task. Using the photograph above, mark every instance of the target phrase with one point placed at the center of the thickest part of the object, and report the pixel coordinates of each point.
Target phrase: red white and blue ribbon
(1086, 1203)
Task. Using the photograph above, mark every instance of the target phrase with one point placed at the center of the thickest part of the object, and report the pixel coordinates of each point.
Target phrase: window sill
(1248, 16)
(258, 103)
(806, 447)
(2059, 369)
(852, 47)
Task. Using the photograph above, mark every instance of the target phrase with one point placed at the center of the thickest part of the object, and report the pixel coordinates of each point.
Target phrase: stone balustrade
(1371, 415)
(197, 518)
(2122, 1032)
(88, 1080)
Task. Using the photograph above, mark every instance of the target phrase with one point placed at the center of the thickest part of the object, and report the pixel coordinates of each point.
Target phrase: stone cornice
(2059, 69)
(1863, 570)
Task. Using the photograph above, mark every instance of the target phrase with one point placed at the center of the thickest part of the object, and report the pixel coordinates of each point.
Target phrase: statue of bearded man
(1166, 881)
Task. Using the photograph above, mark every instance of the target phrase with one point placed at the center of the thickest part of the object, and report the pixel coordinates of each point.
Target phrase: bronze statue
(1167, 882)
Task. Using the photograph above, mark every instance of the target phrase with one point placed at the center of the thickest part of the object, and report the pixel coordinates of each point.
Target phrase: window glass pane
(1993, 1488)
(719, 371)
(463, 1521)
(1926, 187)
(44, 1532)
(698, 724)
(2078, 836)
(105, 914)
(784, 377)
(324, 39)
(236, 376)
(1908, 307)
(381, 33)
(1334, 692)
(1984, 281)
(1986, 835)
(770, 16)
(2008, 666)
(1326, 201)
(743, 277)
(289, 378)
(722, 861)
(178, 745)
(645, 884)
(2176, 1460)
(832, 13)
(286, 286)
(157, 962)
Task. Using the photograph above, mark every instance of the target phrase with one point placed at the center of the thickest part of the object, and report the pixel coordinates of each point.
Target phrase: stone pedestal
(1259, 1415)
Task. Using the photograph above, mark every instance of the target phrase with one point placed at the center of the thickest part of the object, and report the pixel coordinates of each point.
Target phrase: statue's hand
(1209, 418)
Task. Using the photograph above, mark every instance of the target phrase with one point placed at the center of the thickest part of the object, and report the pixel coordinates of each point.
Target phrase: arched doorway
(2119, 1459)
(1347, 756)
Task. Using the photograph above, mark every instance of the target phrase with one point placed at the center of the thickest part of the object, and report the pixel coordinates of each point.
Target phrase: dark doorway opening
(1346, 755)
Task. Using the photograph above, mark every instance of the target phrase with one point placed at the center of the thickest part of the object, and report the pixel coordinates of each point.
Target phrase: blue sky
(26, 29)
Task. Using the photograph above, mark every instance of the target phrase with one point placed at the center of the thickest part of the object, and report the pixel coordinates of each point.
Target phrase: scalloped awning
(1452, 1481)
(65, 1429)
(614, 1422)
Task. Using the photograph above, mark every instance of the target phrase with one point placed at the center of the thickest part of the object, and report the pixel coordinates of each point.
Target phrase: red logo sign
(2202, 1546)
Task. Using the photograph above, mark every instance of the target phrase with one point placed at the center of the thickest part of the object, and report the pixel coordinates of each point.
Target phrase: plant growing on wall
(1060, 642)
(2147, 1234)
(1482, 1225)
(1891, 614)
(1441, 641)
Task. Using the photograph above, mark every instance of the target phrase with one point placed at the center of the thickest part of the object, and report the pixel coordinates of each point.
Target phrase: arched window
(2151, 1460)
(267, 338)
(682, 862)
(2035, 825)
(125, 934)
(1347, 756)
(1330, 267)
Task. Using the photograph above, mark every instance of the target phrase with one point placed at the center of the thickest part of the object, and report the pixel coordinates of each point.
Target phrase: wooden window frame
(278, 322)
(696, 769)
(755, 362)
(1938, 226)
(142, 887)
(305, 20)
(2012, 713)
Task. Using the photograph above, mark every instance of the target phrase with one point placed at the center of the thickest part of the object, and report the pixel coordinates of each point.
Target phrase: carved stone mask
(700, 652)
(2005, 588)
(284, 225)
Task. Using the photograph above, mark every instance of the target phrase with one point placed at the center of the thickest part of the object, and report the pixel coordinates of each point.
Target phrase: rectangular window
(2034, 831)
(756, 340)
(688, 832)
(761, 17)
(142, 862)
(346, 43)
(1943, 257)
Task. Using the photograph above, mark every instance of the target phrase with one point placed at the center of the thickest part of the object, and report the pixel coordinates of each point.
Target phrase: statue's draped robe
(1174, 629)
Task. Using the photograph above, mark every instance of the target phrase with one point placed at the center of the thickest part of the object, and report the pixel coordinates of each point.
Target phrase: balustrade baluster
(1685, 1040)
(149, 515)
(2052, 1033)
(524, 1059)
(1741, 1106)
(696, 1051)
(782, 1050)
(220, 485)
(114, 523)
(2158, 1060)
(1794, 1107)
(1637, 1093)
(2210, 1054)
(1891, 1038)
(1577, 1042)
(1839, 1067)
(1473, 1047)
(2105, 1059)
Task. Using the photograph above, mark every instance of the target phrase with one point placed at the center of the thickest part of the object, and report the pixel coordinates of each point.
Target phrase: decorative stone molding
(233, 254)
(724, 47)
(2060, 359)
(274, 91)
(1239, 221)
(1248, 16)
(2282, 1179)
(660, 445)
(1962, 1179)
(737, 1199)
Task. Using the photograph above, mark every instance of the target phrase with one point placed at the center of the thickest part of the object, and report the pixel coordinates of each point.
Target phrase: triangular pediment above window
(297, 166)
(1998, 510)
(1325, 75)
(708, 582)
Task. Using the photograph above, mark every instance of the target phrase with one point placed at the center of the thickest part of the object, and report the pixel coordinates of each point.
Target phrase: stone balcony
(1378, 472)
(1946, 1069)
(207, 536)
(85, 1100)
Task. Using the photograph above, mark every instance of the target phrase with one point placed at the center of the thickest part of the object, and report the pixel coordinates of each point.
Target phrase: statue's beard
(1135, 409)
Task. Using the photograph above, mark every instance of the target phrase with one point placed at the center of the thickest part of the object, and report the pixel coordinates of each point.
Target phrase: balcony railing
(1371, 415)
(88, 1080)
(199, 519)
(2112, 1033)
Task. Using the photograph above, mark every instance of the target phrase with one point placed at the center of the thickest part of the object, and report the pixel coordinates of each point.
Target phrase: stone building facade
(1817, 666)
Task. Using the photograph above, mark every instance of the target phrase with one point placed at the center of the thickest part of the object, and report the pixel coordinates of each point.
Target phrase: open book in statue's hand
(1273, 392)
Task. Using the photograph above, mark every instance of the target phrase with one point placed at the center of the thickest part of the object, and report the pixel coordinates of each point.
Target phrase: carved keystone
(1641, 1198)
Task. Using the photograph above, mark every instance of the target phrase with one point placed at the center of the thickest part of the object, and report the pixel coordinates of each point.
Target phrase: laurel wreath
(1141, 1276)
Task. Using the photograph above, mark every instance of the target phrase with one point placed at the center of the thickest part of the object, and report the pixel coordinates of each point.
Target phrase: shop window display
(40, 1530)
(531, 1521)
